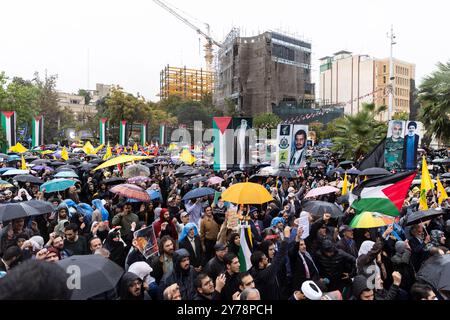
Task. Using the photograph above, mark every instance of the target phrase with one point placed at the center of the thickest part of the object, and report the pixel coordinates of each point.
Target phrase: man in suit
(192, 243)
(410, 145)
(299, 149)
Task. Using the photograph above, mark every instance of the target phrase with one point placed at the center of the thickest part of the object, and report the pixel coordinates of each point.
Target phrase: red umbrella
(131, 191)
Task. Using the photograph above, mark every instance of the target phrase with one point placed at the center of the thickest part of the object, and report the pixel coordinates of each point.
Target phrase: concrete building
(351, 80)
(260, 72)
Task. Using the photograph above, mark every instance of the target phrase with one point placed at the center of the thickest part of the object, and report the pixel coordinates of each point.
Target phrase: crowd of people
(199, 251)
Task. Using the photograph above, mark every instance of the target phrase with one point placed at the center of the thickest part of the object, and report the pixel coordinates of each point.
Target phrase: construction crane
(209, 56)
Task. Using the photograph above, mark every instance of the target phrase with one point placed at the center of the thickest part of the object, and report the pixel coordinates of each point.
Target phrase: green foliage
(266, 121)
(230, 108)
(435, 100)
(358, 134)
(317, 127)
(400, 116)
(86, 95)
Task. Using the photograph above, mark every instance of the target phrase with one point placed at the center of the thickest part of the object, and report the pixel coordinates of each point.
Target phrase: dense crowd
(199, 251)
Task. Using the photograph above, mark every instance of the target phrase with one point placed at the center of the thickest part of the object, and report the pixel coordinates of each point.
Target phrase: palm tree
(434, 97)
(358, 134)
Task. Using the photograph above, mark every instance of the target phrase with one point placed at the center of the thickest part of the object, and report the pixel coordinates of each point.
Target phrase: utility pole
(391, 75)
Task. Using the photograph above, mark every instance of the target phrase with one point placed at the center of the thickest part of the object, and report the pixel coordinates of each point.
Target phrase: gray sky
(130, 42)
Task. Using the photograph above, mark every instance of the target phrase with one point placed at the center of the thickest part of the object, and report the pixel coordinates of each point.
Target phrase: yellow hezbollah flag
(88, 148)
(442, 194)
(100, 147)
(187, 157)
(425, 185)
(172, 146)
(345, 185)
(135, 147)
(24, 164)
(108, 154)
(19, 148)
(64, 154)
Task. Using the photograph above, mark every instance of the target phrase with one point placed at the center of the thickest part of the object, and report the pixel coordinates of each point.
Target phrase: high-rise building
(351, 80)
(260, 72)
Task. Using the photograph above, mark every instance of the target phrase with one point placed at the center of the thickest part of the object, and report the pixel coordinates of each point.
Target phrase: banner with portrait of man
(291, 146)
(402, 141)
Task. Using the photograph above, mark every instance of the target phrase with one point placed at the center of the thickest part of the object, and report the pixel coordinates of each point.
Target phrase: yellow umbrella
(367, 220)
(121, 159)
(247, 193)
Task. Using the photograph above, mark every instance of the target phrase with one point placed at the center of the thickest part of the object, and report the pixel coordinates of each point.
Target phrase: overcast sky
(129, 42)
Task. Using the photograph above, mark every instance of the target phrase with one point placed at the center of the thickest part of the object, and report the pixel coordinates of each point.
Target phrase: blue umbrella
(15, 172)
(57, 185)
(354, 171)
(66, 174)
(198, 193)
(4, 169)
(14, 158)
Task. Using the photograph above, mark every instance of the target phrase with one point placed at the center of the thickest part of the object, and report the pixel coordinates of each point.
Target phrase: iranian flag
(245, 249)
(383, 195)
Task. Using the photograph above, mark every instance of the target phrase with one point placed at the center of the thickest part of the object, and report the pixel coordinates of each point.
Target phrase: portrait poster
(393, 150)
(299, 147)
(146, 241)
(414, 131)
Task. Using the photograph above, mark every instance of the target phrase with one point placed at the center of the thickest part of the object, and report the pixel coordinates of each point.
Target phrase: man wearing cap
(347, 244)
(216, 265)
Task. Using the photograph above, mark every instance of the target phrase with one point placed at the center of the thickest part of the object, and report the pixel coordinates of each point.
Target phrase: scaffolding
(193, 84)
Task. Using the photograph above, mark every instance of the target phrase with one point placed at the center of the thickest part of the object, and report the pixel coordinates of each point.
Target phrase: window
(384, 79)
(384, 68)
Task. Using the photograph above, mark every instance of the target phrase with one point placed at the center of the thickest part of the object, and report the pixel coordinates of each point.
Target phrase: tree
(230, 108)
(317, 127)
(435, 100)
(358, 134)
(402, 115)
(266, 121)
(86, 94)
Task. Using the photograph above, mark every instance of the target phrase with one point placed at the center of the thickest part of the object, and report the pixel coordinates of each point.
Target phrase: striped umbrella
(139, 179)
(131, 191)
(367, 220)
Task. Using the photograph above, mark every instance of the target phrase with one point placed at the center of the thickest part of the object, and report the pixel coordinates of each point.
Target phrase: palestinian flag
(144, 133)
(102, 124)
(123, 133)
(9, 125)
(220, 125)
(162, 134)
(37, 126)
(245, 249)
(383, 195)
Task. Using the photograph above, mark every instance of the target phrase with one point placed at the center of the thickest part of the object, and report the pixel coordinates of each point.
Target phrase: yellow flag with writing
(64, 154)
(108, 154)
(100, 147)
(88, 148)
(345, 185)
(23, 164)
(426, 184)
(442, 193)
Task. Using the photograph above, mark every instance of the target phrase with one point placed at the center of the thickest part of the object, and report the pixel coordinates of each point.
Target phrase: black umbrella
(436, 272)
(354, 171)
(192, 173)
(342, 199)
(196, 180)
(96, 161)
(334, 171)
(374, 172)
(421, 216)
(73, 161)
(346, 163)
(257, 177)
(56, 163)
(317, 165)
(97, 274)
(284, 174)
(318, 208)
(40, 161)
(113, 181)
(24, 209)
(66, 167)
(87, 166)
(198, 193)
(28, 178)
(30, 158)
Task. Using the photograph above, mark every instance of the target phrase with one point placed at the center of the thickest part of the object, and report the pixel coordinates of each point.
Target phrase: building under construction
(264, 71)
(186, 83)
